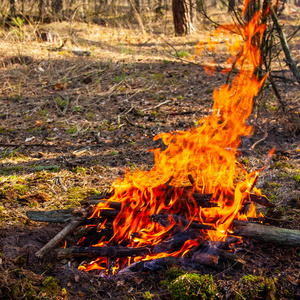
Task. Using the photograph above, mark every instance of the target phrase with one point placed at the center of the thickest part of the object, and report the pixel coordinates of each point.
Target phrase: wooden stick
(59, 237)
(111, 252)
(52, 216)
(262, 200)
(267, 234)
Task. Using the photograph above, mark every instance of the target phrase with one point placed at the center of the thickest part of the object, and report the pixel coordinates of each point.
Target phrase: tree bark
(57, 6)
(181, 17)
(267, 234)
(231, 5)
(12, 8)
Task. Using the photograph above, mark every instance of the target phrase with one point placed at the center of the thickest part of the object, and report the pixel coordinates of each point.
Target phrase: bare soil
(73, 118)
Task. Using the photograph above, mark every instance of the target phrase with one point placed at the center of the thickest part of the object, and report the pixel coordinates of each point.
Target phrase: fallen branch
(267, 234)
(59, 237)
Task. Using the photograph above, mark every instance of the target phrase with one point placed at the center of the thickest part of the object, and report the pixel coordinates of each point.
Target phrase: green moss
(182, 53)
(47, 168)
(113, 152)
(10, 170)
(173, 273)
(297, 178)
(21, 260)
(245, 161)
(75, 194)
(256, 287)
(50, 285)
(283, 165)
(79, 170)
(192, 286)
(147, 295)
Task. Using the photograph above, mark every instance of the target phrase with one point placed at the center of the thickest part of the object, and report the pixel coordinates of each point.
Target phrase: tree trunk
(12, 8)
(200, 4)
(231, 5)
(41, 9)
(57, 6)
(137, 5)
(181, 17)
(253, 7)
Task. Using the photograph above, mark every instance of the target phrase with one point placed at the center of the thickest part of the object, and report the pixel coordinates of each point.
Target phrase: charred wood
(262, 200)
(176, 242)
(205, 259)
(111, 252)
(165, 221)
(150, 265)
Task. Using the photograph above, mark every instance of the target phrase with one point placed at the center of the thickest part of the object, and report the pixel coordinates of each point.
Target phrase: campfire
(197, 201)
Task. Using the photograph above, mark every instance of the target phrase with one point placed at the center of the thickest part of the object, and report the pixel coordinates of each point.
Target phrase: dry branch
(59, 237)
(52, 216)
(285, 47)
(267, 234)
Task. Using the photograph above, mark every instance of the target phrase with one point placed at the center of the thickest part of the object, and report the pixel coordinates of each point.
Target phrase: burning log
(262, 200)
(164, 220)
(267, 234)
(149, 265)
(176, 241)
(109, 251)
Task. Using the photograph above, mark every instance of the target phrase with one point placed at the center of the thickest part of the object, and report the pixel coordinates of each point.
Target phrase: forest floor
(73, 118)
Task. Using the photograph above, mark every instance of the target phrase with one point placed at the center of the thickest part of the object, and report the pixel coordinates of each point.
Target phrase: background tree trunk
(231, 5)
(57, 6)
(12, 8)
(41, 9)
(181, 17)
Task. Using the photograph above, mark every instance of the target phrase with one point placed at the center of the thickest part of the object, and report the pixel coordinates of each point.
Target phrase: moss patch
(193, 286)
(256, 287)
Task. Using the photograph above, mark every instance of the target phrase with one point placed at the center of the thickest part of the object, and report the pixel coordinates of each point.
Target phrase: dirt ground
(72, 118)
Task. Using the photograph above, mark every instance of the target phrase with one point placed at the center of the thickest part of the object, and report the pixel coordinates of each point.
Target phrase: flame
(199, 161)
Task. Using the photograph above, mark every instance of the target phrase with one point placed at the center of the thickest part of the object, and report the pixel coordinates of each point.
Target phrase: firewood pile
(92, 230)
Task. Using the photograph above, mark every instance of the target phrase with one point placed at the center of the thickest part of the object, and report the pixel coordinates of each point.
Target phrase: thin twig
(133, 124)
(259, 141)
(157, 106)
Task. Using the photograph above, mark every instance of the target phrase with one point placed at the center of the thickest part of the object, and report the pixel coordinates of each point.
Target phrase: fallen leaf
(38, 123)
(30, 139)
(60, 86)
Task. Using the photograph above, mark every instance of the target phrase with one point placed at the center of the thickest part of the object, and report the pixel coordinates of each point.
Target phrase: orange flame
(207, 154)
